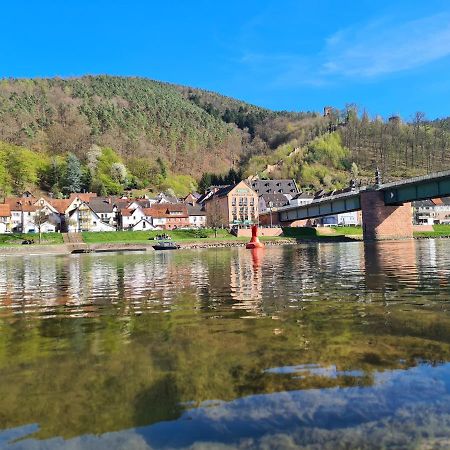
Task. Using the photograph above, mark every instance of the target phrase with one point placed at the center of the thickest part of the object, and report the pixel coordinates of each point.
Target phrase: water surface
(310, 346)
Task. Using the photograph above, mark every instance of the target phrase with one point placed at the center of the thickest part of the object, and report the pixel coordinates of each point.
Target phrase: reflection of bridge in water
(386, 208)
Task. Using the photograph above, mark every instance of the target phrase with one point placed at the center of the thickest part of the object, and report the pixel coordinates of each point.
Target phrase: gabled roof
(166, 210)
(192, 195)
(276, 199)
(126, 212)
(285, 186)
(442, 201)
(122, 204)
(222, 192)
(60, 204)
(152, 212)
(4, 210)
(143, 220)
(195, 210)
(21, 203)
(84, 196)
(205, 197)
(101, 205)
(162, 197)
(303, 195)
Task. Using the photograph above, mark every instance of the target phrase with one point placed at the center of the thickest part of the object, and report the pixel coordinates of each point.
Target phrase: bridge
(386, 208)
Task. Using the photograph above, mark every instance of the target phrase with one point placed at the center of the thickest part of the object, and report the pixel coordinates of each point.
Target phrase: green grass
(143, 236)
(6, 240)
(347, 231)
(299, 232)
(438, 231)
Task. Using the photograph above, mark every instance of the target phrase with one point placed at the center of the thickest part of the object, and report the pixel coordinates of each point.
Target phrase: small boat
(166, 246)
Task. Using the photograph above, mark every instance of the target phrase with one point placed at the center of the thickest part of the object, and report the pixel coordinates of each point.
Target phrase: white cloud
(368, 51)
(383, 47)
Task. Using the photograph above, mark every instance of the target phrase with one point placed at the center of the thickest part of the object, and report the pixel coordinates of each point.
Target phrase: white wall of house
(350, 218)
(3, 227)
(143, 225)
(158, 222)
(130, 221)
(197, 221)
(47, 227)
(94, 223)
(109, 218)
(300, 201)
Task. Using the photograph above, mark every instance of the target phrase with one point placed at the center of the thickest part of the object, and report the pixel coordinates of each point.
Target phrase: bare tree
(39, 218)
(215, 216)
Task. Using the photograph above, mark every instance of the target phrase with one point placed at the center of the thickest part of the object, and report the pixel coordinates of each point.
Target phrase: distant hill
(193, 130)
(158, 130)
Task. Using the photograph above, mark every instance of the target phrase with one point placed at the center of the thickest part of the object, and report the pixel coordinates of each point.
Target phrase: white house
(349, 218)
(105, 209)
(5, 219)
(143, 225)
(83, 218)
(301, 199)
(129, 218)
(197, 216)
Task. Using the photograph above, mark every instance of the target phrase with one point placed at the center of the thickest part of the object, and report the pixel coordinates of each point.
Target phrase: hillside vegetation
(119, 133)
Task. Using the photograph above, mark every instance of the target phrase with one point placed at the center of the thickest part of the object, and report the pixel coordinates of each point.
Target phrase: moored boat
(166, 246)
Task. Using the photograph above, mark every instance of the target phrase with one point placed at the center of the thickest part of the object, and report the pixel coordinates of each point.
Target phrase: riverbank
(67, 249)
(187, 239)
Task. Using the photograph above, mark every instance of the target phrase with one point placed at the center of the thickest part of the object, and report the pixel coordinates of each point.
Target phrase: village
(234, 207)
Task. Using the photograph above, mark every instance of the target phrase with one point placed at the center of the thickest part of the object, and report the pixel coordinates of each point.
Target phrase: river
(318, 346)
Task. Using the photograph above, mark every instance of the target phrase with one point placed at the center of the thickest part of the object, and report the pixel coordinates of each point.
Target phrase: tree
(355, 171)
(39, 218)
(17, 171)
(118, 172)
(73, 176)
(215, 217)
(162, 167)
(205, 182)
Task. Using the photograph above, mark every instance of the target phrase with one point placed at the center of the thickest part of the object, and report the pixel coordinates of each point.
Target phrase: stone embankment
(229, 244)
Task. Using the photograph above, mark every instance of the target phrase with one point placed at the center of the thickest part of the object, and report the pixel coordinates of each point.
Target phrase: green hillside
(122, 133)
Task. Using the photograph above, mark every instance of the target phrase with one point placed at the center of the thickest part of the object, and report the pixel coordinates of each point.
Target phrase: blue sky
(385, 56)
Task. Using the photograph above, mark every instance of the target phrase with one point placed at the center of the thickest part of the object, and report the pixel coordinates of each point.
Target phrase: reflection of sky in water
(330, 362)
(315, 369)
(402, 409)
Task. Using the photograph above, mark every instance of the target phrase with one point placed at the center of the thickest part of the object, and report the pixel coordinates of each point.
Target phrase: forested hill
(135, 132)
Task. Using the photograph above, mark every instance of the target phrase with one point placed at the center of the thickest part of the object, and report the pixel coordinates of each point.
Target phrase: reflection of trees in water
(131, 369)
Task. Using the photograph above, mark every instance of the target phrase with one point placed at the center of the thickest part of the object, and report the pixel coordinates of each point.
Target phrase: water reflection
(164, 349)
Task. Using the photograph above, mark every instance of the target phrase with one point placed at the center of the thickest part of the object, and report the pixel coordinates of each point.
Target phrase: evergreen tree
(73, 176)
(204, 183)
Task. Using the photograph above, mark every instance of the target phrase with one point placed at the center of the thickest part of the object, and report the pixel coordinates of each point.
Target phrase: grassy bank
(7, 240)
(438, 231)
(144, 236)
(300, 233)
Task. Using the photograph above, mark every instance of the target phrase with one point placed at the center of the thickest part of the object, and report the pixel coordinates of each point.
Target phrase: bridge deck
(337, 204)
(418, 188)
(395, 193)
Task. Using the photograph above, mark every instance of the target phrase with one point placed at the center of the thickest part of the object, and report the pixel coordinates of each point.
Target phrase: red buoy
(254, 241)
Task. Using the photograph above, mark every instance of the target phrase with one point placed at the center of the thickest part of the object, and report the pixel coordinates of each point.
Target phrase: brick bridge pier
(383, 222)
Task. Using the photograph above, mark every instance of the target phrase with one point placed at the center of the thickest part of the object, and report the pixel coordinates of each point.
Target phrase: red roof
(168, 209)
(154, 212)
(126, 212)
(20, 203)
(4, 210)
(60, 204)
(84, 196)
